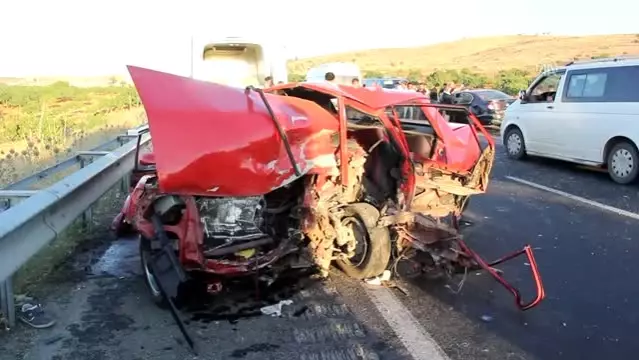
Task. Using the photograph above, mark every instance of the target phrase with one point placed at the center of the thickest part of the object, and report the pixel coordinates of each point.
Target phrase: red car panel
(198, 141)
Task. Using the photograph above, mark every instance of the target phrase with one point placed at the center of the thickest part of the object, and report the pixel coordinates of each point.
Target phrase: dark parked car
(487, 104)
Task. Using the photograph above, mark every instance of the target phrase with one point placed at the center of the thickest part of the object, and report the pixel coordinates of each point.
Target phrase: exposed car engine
(231, 224)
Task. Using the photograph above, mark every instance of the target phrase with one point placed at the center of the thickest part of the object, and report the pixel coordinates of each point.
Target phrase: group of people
(443, 95)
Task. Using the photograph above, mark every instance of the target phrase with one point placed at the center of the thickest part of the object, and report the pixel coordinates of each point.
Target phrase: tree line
(509, 81)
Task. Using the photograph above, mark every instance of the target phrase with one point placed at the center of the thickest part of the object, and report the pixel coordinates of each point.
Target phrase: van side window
(587, 85)
(623, 84)
(612, 84)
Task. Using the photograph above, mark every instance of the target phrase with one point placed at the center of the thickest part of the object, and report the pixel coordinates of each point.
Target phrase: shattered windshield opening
(359, 118)
(326, 101)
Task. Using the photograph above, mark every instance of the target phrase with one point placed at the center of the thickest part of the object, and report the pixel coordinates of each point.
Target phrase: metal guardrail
(29, 225)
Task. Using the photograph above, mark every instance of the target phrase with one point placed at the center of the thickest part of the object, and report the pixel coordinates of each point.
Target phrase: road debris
(486, 318)
(276, 309)
(379, 280)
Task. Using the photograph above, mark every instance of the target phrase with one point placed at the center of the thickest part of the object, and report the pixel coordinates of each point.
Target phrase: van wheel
(515, 145)
(373, 244)
(623, 163)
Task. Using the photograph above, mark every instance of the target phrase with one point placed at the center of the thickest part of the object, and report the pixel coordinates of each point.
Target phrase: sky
(90, 38)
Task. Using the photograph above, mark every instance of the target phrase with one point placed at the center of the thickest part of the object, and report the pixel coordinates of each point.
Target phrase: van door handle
(550, 107)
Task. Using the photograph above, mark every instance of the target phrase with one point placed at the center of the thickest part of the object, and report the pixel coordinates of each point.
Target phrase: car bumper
(491, 119)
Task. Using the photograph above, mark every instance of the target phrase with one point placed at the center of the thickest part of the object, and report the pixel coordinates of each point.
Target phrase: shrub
(509, 81)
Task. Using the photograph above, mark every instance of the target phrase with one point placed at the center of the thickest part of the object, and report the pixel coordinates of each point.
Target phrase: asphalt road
(585, 253)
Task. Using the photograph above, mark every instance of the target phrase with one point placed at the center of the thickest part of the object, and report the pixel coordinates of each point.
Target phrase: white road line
(415, 338)
(577, 198)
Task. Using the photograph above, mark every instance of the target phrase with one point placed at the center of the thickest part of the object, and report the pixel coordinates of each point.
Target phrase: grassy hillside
(487, 55)
(42, 124)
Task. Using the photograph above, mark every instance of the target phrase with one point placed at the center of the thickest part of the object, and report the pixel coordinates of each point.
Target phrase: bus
(237, 61)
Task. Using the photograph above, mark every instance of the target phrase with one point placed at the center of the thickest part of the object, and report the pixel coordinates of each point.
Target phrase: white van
(237, 61)
(344, 72)
(585, 112)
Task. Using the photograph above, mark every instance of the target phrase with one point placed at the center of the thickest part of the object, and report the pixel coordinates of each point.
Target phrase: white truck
(237, 61)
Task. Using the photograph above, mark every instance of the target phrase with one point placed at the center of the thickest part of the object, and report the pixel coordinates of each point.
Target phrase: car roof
(603, 63)
(595, 64)
(375, 98)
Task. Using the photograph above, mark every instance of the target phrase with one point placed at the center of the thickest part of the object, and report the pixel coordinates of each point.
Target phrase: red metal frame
(539, 286)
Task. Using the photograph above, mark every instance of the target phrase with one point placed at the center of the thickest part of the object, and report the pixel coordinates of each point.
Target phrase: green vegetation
(39, 126)
(42, 124)
(57, 110)
(508, 81)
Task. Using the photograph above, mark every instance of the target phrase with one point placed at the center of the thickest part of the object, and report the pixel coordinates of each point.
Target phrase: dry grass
(483, 55)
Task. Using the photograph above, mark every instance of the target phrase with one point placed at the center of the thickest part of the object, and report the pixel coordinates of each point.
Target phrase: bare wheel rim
(622, 163)
(155, 289)
(513, 143)
(361, 240)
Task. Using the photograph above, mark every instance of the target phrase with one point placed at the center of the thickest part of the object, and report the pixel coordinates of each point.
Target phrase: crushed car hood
(215, 140)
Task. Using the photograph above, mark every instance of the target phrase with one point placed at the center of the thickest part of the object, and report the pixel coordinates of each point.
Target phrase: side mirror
(522, 94)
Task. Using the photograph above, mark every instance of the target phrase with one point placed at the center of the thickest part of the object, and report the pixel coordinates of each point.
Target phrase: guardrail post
(126, 180)
(87, 216)
(6, 297)
(6, 294)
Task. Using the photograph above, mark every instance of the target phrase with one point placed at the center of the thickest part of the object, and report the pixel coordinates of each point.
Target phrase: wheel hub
(622, 163)
(354, 235)
(513, 144)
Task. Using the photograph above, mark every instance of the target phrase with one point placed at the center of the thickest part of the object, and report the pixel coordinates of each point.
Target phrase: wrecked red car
(241, 181)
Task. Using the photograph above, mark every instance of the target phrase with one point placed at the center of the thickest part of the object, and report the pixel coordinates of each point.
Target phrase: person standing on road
(460, 87)
(329, 77)
(434, 94)
(446, 96)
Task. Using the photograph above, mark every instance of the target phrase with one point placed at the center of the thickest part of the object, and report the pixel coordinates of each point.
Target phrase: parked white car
(585, 112)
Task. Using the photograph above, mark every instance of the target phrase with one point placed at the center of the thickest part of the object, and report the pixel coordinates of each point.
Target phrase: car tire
(156, 295)
(377, 241)
(514, 143)
(623, 163)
